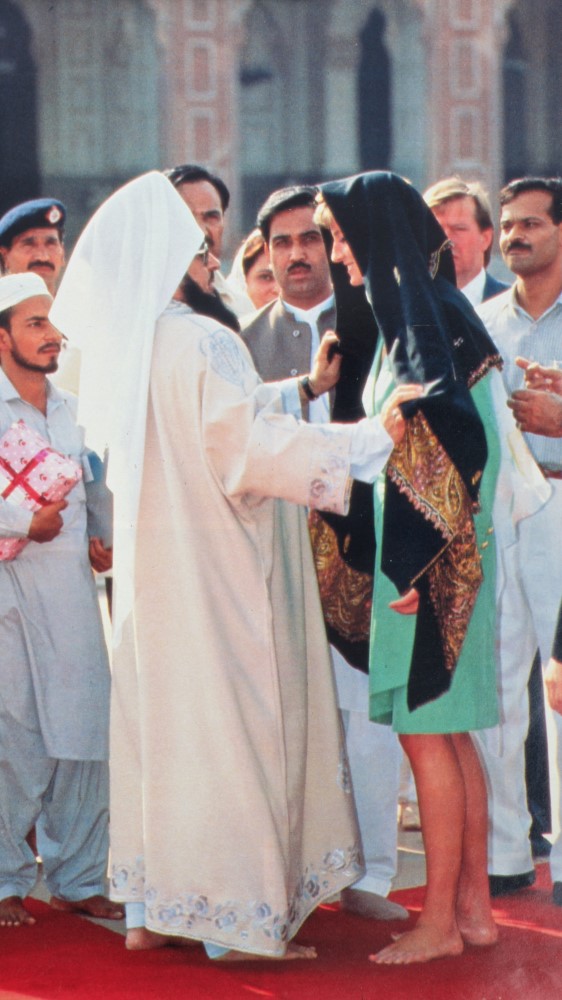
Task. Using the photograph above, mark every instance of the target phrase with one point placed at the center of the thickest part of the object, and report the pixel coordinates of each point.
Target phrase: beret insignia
(54, 215)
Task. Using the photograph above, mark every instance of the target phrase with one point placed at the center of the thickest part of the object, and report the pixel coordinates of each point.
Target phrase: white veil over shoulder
(125, 268)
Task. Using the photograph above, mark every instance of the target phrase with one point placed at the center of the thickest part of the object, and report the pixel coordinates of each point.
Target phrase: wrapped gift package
(32, 474)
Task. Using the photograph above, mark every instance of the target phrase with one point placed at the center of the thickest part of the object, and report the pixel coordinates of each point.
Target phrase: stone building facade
(267, 92)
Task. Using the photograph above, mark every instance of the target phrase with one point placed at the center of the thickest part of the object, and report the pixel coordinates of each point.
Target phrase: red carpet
(66, 958)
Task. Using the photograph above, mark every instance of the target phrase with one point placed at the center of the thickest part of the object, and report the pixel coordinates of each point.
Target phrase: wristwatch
(307, 388)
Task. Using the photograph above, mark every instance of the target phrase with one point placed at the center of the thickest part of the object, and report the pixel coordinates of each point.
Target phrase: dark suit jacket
(492, 287)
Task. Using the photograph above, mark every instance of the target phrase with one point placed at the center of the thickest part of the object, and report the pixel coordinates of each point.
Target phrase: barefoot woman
(432, 650)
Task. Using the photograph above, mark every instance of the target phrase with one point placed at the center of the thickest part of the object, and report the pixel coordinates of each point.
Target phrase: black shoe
(504, 885)
(540, 847)
(557, 893)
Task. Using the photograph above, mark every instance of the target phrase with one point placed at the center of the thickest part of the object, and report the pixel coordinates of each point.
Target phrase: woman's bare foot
(474, 916)
(93, 906)
(13, 913)
(478, 928)
(293, 951)
(141, 939)
(420, 945)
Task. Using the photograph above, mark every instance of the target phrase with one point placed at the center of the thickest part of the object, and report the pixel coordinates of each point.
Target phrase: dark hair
(552, 185)
(207, 303)
(252, 247)
(190, 173)
(5, 319)
(296, 196)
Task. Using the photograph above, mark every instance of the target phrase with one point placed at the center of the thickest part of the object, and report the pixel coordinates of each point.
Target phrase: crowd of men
(54, 694)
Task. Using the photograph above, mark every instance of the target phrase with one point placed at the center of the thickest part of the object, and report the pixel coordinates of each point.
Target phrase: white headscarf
(122, 274)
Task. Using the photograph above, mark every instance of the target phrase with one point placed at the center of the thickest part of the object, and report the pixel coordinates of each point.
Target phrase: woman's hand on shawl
(392, 418)
(326, 367)
(407, 604)
(101, 559)
(553, 684)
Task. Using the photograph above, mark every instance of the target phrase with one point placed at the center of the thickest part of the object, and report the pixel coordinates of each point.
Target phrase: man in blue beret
(31, 239)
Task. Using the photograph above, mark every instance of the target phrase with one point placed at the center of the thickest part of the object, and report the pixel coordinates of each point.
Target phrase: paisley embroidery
(422, 470)
(435, 258)
(346, 594)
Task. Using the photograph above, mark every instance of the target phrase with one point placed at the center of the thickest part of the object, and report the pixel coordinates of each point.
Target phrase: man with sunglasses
(208, 198)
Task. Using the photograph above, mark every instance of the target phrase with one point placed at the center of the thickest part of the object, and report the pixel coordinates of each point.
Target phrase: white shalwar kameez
(54, 685)
(232, 813)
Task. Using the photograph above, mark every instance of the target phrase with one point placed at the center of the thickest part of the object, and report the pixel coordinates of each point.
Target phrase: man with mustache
(283, 338)
(54, 671)
(284, 335)
(208, 197)
(526, 321)
(31, 239)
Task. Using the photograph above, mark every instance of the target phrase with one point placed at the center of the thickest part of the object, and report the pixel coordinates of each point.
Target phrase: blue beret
(40, 213)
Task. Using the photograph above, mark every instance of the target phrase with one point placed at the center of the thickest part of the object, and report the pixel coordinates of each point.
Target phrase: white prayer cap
(16, 288)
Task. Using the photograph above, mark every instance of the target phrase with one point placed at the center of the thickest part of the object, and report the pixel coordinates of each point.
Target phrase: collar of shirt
(474, 290)
(517, 307)
(174, 305)
(312, 315)
(9, 392)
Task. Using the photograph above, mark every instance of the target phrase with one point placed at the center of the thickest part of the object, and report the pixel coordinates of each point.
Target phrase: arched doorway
(532, 66)
(19, 174)
(262, 99)
(375, 141)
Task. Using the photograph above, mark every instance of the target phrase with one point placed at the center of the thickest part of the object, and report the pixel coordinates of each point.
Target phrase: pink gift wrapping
(31, 474)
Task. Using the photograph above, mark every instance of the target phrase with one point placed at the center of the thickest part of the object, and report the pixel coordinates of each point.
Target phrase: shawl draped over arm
(432, 336)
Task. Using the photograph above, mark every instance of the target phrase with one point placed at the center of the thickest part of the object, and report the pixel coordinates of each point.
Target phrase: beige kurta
(231, 811)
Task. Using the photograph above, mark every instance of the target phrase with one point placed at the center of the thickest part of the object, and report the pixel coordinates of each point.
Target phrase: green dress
(471, 701)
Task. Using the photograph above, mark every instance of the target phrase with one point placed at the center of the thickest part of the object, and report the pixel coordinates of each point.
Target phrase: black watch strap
(307, 388)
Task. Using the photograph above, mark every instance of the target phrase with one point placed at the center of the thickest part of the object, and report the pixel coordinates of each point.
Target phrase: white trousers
(374, 754)
(527, 614)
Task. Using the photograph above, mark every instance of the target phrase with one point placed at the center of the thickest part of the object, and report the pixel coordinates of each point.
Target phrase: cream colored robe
(231, 809)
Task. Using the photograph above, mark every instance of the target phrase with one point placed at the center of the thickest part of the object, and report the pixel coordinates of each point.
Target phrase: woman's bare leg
(441, 797)
(474, 912)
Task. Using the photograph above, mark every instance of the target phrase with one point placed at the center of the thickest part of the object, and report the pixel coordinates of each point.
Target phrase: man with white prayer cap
(231, 810)
(54, 673)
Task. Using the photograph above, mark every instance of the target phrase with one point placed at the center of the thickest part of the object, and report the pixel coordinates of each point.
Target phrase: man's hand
(101, 558)
(537, 412)
(393, 419)
(408, 604)
(540, 377)
(47, 522)
(553, 684)
(325, 371)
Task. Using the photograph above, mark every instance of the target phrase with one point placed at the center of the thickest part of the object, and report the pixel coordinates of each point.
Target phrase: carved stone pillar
(464, 40)
(199, 43)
